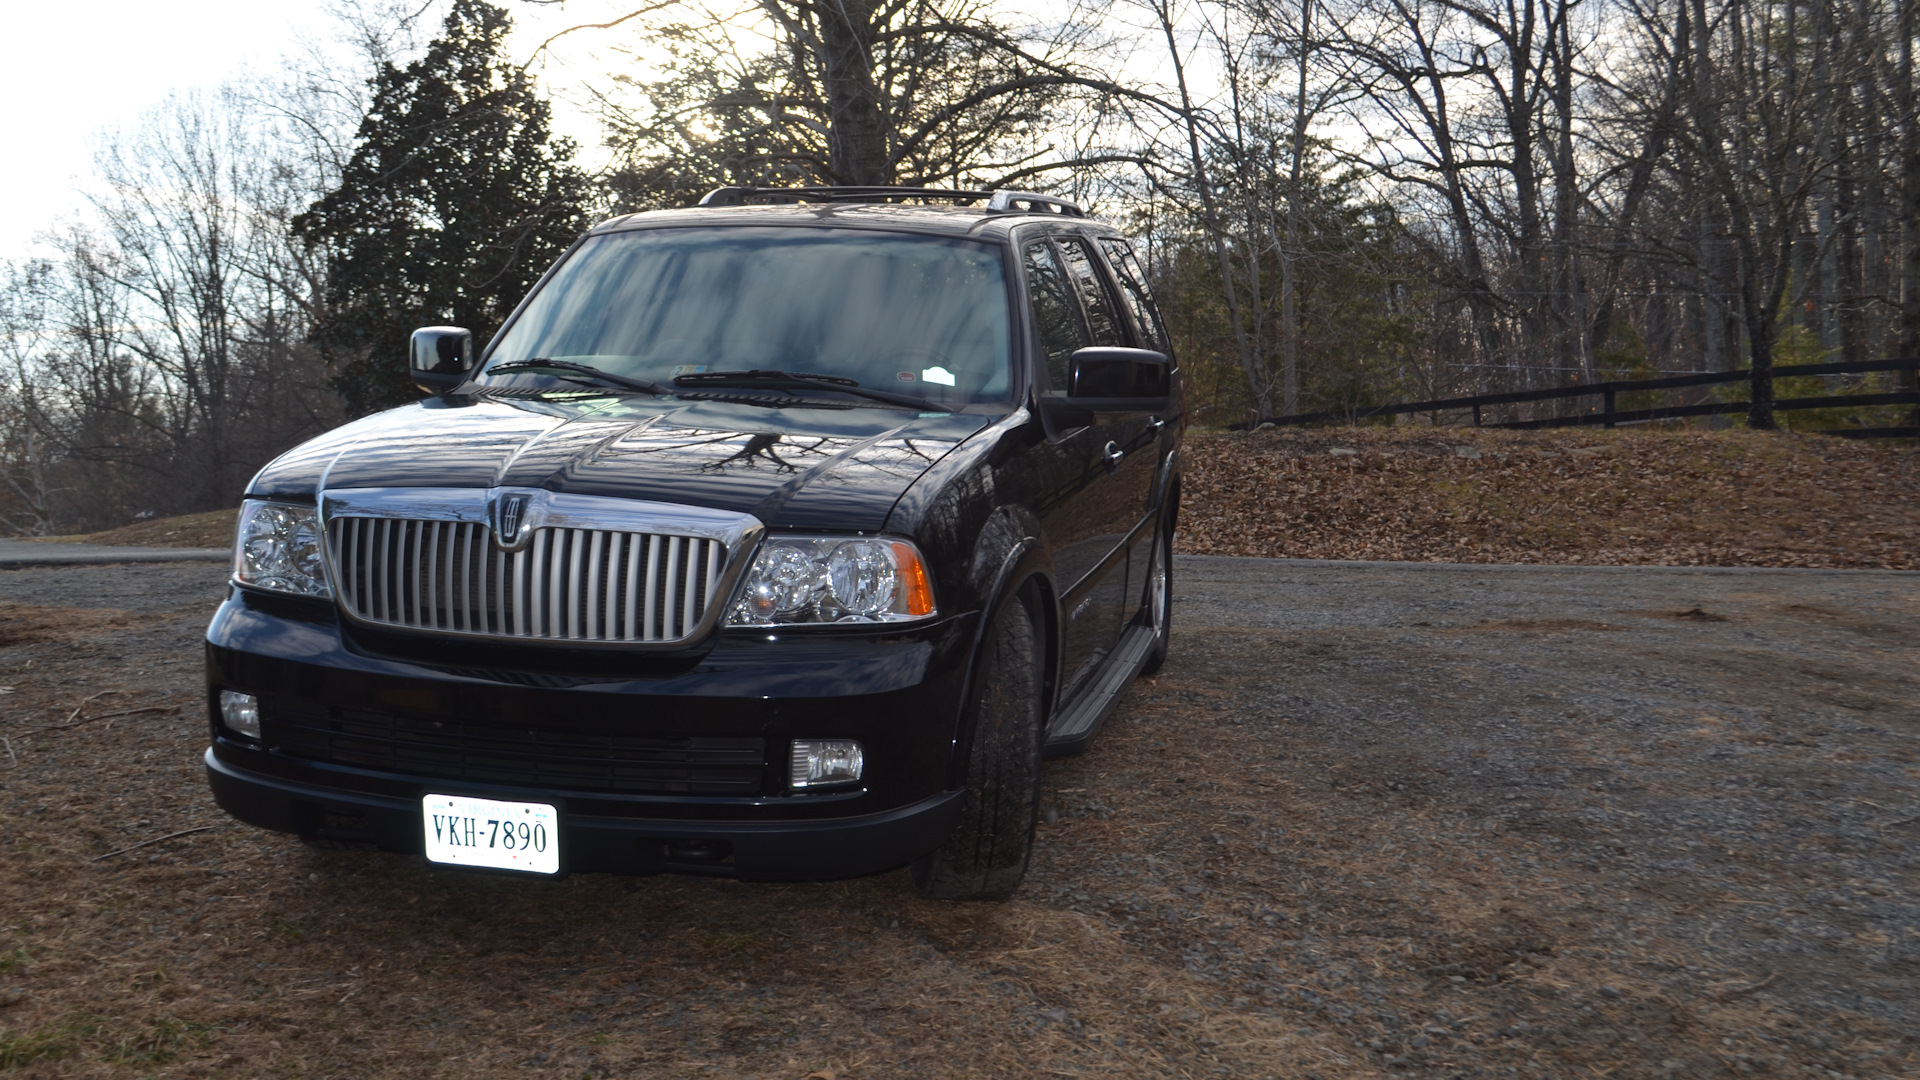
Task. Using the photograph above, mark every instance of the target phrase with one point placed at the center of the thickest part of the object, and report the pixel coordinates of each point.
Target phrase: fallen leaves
(1681, 497)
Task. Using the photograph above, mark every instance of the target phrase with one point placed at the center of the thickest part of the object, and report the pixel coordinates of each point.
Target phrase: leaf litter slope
(1673, 498)
(212, 529)
(1367, 822)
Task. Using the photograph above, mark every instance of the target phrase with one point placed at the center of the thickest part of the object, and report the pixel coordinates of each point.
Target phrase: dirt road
(1371, 820)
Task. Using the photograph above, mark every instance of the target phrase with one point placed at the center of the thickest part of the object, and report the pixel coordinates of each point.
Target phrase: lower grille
(458, 750)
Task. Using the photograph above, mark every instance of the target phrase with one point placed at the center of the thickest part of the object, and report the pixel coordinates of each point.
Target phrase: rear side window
(1133, 292)
(1054, 316)
(1098, 303)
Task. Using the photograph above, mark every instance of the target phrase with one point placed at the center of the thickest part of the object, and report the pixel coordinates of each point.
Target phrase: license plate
(499, 835)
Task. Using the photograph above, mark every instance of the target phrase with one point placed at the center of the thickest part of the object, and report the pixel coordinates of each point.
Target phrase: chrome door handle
(1112, 454)
(1154, 424)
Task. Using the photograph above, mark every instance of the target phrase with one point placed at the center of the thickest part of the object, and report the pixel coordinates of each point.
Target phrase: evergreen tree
(457, 198)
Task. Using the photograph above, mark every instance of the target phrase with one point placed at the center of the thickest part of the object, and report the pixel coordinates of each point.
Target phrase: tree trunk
(1909, 189)
(1290, 251)
(1877, 339)
(1256, 379)
(1721, 324)
(1249, 179)
(1481, 302)
(857, 132)
(1571, 315)
(1535, 302)
(1763, 326)
(1653, 148)
(1826, 213)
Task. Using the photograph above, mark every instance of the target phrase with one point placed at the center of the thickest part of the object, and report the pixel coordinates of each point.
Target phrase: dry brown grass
(23, 624)
(212, 529)
(1668, 498)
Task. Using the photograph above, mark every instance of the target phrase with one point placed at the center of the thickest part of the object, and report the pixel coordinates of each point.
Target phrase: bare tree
(164, 355)
(26, 484)
(913, 92)
(1909, 101)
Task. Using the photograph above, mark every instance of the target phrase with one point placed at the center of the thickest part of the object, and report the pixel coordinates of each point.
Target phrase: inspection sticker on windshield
(499, 835)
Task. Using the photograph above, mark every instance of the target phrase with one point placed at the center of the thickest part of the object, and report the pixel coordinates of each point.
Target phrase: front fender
(1009, 557)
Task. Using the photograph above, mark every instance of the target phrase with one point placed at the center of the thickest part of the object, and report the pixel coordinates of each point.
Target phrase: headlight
(825, 580)
(278, 548)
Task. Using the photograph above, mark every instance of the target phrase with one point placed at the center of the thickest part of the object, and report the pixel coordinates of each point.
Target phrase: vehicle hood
(801, 468)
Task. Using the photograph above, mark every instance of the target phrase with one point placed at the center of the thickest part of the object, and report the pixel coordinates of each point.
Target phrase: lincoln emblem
(508, 511)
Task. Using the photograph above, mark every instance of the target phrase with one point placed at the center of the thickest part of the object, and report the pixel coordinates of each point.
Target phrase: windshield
(919, 315)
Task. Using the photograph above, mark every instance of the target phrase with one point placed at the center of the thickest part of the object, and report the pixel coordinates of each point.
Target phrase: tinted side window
(1053, 311)
(1093, 292)
(1133, 291)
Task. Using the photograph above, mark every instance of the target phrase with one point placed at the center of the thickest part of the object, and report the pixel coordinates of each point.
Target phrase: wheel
(1160, 600)
(985, 856)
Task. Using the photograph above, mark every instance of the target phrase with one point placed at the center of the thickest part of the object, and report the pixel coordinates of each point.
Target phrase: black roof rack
(997, 201)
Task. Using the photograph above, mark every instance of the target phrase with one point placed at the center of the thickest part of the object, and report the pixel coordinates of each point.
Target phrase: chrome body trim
(426, 560)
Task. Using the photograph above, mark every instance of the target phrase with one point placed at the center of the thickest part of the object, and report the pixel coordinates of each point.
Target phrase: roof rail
(740, 196)
(1004, 201)
(997, 201)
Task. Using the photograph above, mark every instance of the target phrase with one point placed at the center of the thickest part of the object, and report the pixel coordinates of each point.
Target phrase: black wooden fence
(1607, 415)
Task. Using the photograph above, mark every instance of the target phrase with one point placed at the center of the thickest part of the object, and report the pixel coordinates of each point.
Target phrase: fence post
(1606, 409)
(1476, 416)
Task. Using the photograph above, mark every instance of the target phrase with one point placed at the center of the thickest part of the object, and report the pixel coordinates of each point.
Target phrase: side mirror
(1134, 376)
(1110, 379)
(440, 357)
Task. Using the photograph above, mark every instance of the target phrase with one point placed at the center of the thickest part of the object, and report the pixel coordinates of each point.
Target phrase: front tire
(985, 857)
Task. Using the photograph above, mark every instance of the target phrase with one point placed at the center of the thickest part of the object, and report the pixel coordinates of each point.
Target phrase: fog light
(819, 762)
(241, 713)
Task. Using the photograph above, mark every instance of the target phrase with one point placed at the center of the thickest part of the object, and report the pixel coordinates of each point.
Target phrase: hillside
(211, 529)
(1674, 498)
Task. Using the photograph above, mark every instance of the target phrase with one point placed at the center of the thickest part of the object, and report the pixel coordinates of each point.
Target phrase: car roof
(968, 222)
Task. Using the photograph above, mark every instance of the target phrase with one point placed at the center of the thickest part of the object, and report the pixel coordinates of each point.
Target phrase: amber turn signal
(913, 579)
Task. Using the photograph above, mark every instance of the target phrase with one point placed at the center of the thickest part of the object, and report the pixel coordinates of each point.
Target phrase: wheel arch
(1012, 561)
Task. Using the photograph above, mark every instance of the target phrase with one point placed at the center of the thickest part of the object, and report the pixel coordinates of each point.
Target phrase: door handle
(1154, 424)
(1112, 454)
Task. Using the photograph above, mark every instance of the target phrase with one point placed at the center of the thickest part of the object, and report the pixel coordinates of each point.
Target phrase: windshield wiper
(783, 380)
(606, 378)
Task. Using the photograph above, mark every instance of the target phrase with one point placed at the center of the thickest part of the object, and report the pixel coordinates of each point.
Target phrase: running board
(1072, 729)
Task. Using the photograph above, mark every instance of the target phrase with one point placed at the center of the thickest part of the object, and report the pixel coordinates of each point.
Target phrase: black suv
(780, 537)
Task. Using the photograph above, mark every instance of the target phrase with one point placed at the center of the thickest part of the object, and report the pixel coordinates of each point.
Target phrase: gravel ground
(1372, 819)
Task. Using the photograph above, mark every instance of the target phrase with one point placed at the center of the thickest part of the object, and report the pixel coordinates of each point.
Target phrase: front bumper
(355, 732)
(796, 850)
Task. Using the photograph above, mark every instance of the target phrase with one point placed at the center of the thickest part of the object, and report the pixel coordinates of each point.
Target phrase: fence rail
(1609, 415)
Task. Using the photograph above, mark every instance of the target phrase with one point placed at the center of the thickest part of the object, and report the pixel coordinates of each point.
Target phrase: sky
(72, 72)
(76, 70)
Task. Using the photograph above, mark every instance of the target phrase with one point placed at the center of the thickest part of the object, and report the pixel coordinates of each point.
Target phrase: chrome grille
(565, 585)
